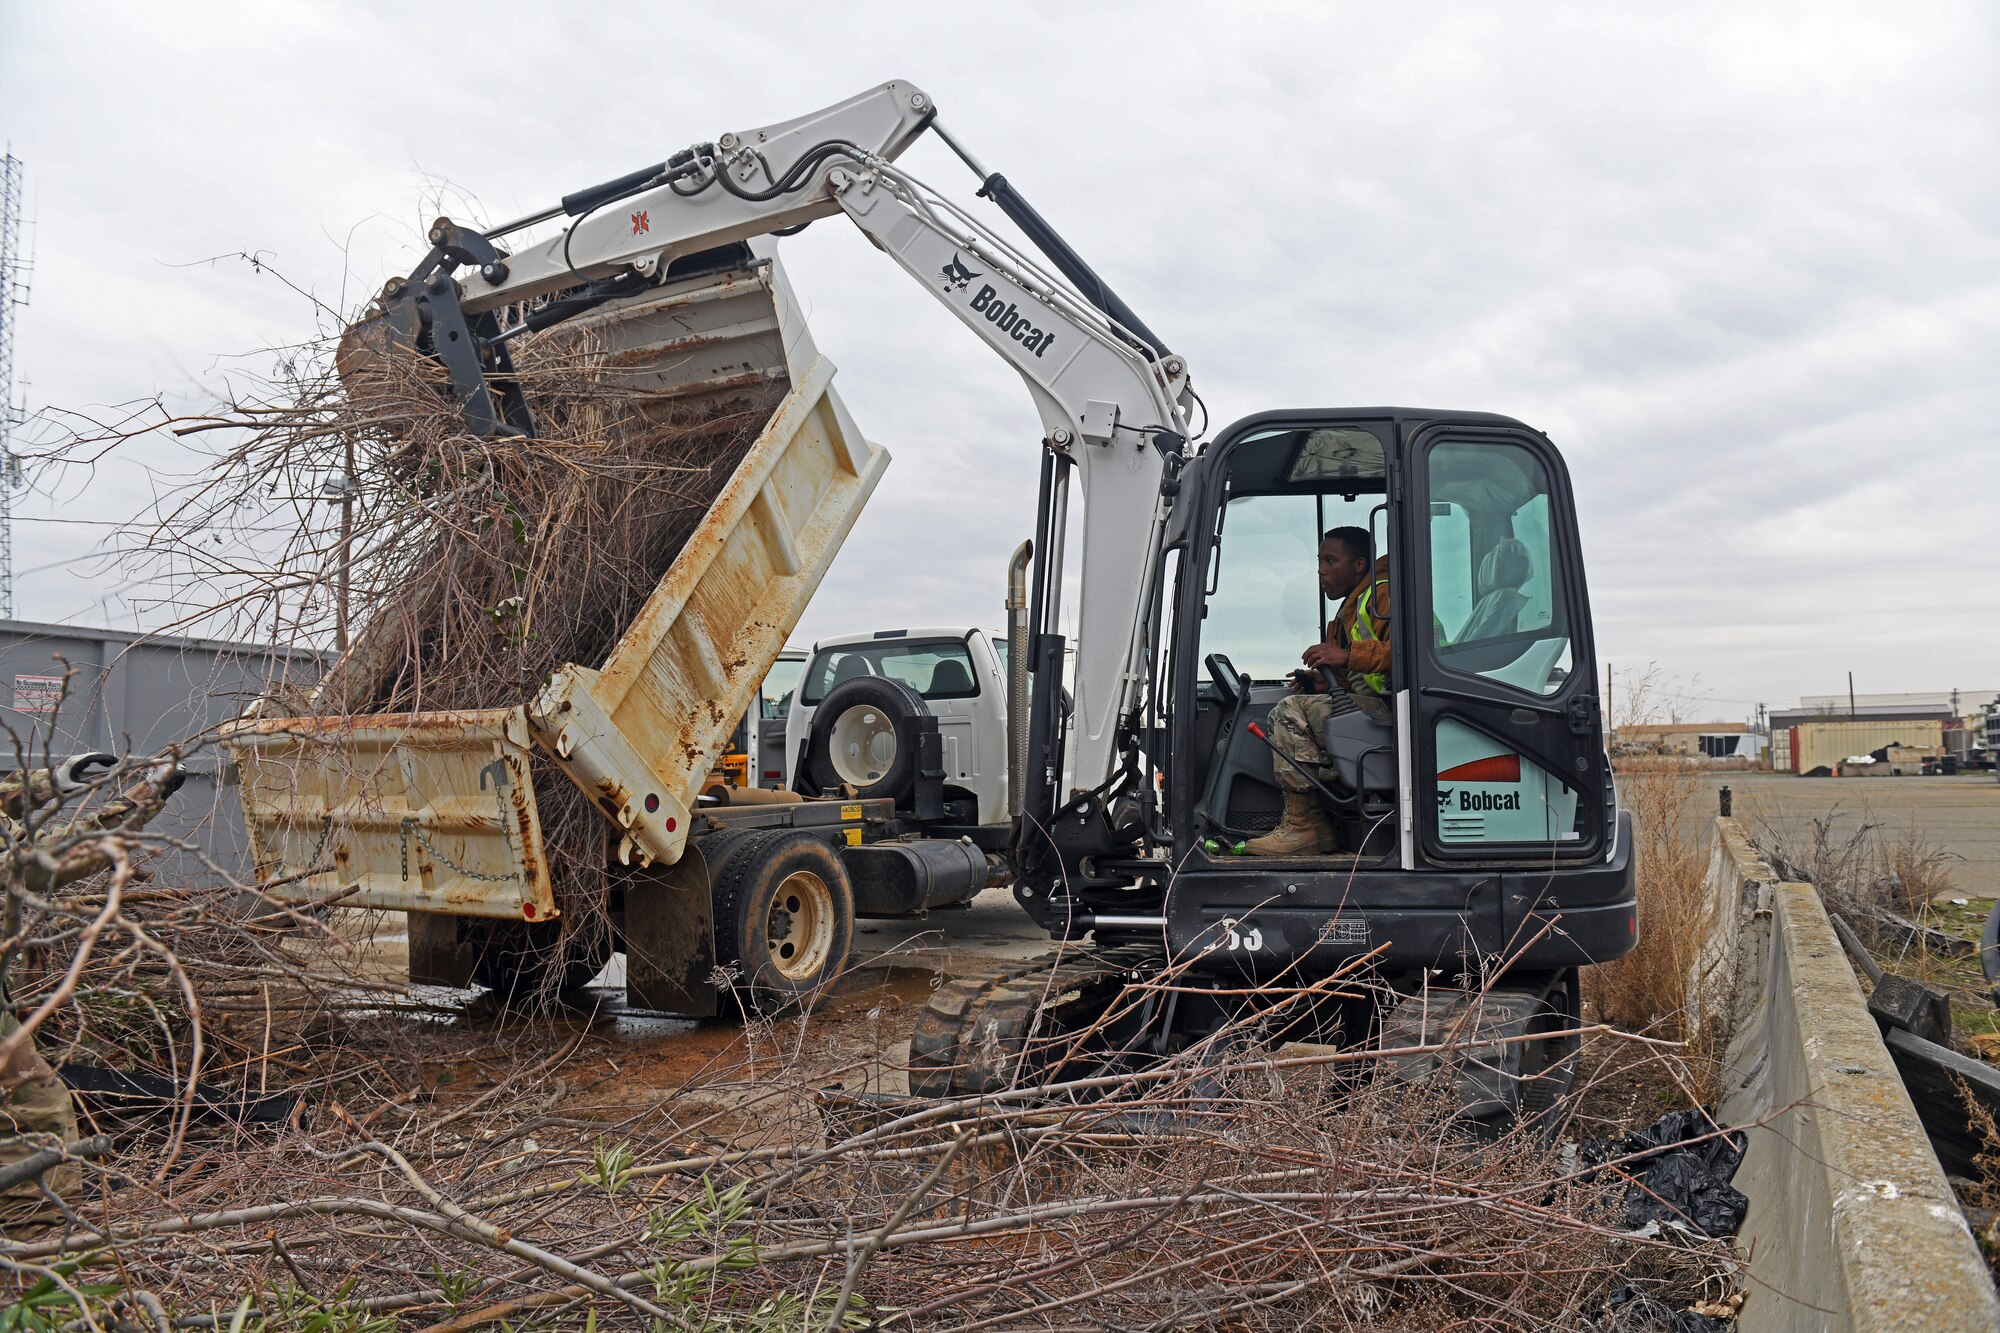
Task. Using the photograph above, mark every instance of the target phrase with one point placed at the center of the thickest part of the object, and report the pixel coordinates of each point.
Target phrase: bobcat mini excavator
(1482, 856)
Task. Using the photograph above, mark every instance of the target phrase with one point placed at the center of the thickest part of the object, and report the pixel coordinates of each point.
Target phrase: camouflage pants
(1295, 724)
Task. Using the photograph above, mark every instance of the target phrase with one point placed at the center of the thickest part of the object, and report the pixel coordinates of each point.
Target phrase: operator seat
(850, 667)
(950, 678)
(1501, 573)
(1361, 752)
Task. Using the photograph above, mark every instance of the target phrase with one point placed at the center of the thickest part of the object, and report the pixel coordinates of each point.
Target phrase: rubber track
(970, 1036)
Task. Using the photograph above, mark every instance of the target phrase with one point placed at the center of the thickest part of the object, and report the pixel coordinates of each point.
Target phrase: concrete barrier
(1851, 1224)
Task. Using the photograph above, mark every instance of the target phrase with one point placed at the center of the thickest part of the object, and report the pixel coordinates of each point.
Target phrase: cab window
(934, 668)
(774, 697)
(1496, 576)
(1265, 604)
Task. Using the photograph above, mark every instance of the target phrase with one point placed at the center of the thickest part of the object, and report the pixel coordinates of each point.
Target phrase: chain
(410, 825)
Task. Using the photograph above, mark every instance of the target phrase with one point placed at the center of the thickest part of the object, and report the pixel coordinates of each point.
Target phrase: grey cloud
(1738, 260)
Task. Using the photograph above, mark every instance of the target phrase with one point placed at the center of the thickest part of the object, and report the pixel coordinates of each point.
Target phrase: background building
(1694, 740)
(1932, 723)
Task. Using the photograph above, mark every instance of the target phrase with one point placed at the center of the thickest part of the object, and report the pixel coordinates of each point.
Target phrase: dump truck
(434, 814)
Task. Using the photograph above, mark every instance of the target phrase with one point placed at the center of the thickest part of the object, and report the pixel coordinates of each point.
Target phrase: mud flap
(670, 938)
(439, 954)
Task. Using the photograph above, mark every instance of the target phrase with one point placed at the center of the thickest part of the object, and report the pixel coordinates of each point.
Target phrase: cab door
(1505, 730)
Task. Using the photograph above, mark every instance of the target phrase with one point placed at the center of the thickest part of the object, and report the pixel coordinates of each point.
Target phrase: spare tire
(857, 738)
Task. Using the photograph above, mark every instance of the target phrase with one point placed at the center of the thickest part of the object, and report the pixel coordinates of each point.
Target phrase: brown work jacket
(1368, 654)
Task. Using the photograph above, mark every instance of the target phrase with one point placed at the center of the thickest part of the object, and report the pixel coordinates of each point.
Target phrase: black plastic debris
(1630, 1310)
(1678, 1181)
(150, 1094)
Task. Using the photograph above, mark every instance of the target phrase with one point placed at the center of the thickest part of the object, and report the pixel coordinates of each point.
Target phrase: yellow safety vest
(1364, 632)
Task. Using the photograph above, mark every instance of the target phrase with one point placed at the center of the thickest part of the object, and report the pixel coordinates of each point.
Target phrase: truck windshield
(934, 668)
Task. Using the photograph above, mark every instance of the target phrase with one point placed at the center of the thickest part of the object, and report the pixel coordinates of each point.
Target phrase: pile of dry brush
(453, 1174)
(471, 569)
(485, 565)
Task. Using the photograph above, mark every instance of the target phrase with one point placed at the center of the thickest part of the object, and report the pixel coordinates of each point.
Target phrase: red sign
(640, 223)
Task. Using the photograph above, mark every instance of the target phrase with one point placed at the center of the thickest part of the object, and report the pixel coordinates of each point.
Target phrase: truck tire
(784, 918)
(856, 739)
(528, 966)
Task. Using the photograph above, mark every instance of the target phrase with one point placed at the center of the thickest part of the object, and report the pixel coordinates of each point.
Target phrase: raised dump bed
(436, 812)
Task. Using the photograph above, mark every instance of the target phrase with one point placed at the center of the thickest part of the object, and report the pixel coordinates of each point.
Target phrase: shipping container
(66, 689)
(1826, 744)
(1781, 750)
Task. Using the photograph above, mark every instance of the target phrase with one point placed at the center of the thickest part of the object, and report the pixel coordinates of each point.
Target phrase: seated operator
(1357, 649)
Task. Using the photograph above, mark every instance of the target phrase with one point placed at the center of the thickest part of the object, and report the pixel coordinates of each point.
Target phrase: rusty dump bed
(435, 811)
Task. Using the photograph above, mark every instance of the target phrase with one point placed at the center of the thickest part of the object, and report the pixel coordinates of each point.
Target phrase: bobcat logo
(1444, 798)
(957, 275)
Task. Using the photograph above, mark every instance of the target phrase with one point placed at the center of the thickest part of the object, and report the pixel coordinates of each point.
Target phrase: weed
(1648, 988)
(610, 1167)
(295, 1311)
(1910, 869)
(52, 1302)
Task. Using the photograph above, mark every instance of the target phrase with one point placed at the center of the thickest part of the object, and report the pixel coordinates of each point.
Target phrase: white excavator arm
(1111, 399)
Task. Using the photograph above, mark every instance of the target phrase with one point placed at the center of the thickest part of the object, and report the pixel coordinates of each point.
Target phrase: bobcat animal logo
(957, 275)
(1444, 797)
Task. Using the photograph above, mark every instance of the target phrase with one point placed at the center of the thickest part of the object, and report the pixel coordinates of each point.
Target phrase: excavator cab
(1481, 860)
(1484, 799)
(1494, 743)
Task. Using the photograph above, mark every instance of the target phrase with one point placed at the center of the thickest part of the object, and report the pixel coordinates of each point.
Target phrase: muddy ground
(612, 1060)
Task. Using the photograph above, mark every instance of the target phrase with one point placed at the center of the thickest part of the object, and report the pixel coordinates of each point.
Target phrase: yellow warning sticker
(854, 837)
(850, 812)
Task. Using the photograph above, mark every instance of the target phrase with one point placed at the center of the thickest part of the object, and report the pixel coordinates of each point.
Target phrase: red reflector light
(1497, 768)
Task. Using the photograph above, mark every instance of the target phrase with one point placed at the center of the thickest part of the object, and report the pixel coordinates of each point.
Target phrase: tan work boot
(1304, 831)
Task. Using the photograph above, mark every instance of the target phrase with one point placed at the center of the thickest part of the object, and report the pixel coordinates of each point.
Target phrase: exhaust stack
(1017, 673)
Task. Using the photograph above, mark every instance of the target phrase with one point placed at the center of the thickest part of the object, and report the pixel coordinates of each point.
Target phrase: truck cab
(959, 676)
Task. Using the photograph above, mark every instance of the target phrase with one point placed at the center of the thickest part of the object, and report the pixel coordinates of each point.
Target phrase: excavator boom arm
(1111, 400)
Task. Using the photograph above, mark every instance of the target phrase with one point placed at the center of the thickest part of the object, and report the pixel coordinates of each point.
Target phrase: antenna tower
(14, 270)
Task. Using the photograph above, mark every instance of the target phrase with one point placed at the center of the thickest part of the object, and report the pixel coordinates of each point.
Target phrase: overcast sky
(1741, 261)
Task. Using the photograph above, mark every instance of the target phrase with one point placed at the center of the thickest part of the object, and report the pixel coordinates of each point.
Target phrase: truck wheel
(527, 966)
(784, 916)
(855, 740)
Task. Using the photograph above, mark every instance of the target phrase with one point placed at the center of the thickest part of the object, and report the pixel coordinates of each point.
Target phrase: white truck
(842, 732)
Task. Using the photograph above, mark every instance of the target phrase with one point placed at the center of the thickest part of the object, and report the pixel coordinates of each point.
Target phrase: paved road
(1960, 814)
